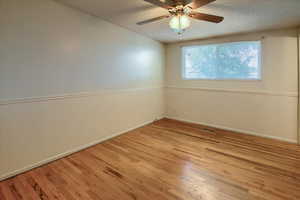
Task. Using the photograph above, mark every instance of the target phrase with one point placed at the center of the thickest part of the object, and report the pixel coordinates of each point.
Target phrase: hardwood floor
(168, 160)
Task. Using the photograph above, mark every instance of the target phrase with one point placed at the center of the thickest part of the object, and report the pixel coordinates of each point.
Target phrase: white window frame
(260, 70)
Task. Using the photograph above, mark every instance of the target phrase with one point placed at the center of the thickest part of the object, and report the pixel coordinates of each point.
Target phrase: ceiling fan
(181, 11)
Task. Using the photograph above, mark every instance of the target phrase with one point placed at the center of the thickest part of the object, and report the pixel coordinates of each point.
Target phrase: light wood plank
(168, 160)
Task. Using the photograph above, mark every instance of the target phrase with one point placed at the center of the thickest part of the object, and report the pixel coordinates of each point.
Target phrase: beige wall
(68, 80)
(298, 85)
(267, 107)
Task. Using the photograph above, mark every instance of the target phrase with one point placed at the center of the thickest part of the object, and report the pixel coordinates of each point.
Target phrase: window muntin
(227, 61)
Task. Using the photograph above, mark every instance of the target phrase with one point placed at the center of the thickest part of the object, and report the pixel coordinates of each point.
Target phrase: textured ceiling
(240, 16)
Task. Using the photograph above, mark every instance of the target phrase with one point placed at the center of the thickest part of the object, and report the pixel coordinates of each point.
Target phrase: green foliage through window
(238, 60)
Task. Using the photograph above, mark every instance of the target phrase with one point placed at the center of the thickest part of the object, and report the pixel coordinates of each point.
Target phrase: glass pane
(240, 60)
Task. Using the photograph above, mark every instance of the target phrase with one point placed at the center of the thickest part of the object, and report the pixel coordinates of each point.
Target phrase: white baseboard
(234, 130)
(61, 155)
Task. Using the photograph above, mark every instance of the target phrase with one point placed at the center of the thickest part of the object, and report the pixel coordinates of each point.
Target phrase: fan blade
(168, 4)
(199, 3)
(206, 17)
(181, 2)
(153, 20)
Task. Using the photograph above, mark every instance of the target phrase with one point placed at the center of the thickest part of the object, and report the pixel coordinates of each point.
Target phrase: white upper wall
(50, 49)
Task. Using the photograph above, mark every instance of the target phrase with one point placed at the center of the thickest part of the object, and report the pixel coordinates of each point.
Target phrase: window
(238, 60)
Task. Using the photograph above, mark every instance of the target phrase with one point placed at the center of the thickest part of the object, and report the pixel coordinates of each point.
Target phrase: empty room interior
(149, 100)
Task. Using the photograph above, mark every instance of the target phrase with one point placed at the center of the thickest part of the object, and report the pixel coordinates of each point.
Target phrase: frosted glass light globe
(179, 23)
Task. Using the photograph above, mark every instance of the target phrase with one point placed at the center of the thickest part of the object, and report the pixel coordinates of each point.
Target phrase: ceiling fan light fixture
(180, 12)
(179, 23)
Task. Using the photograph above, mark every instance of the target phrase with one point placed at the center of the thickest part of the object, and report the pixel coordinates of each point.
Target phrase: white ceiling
(240, 16)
